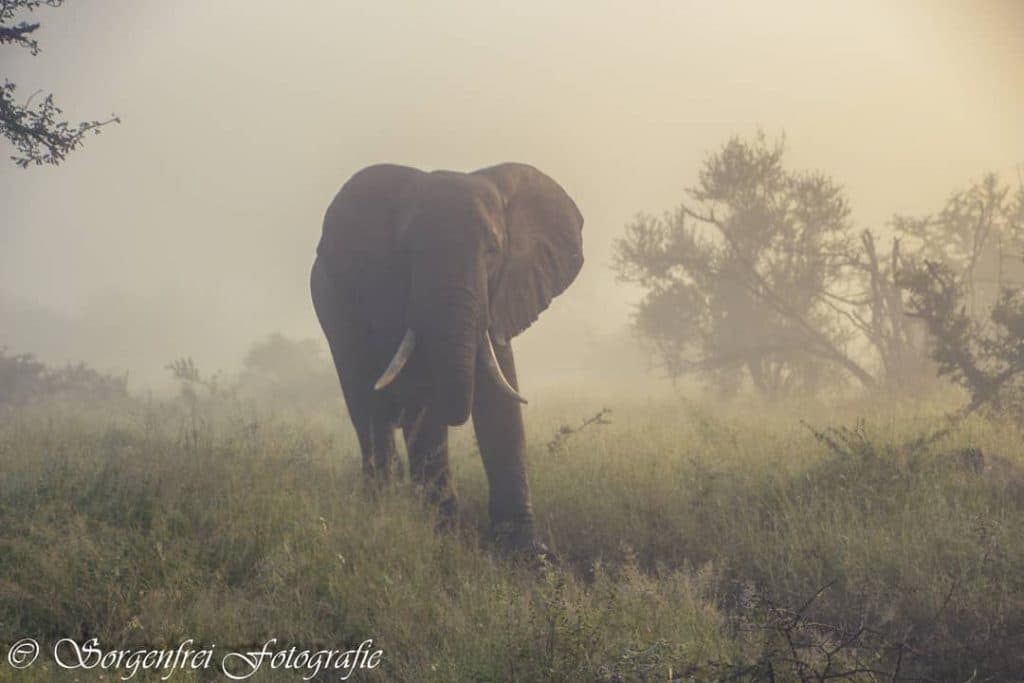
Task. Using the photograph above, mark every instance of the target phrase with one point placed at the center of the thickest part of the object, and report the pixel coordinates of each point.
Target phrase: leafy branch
(38, 132)
(984, 359)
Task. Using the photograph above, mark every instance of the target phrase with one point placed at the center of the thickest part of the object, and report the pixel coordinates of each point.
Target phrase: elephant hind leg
(426, 440)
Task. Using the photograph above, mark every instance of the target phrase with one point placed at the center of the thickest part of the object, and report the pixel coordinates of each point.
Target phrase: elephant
(421, 280)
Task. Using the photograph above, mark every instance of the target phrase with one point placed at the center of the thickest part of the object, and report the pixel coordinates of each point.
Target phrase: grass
(697, 543)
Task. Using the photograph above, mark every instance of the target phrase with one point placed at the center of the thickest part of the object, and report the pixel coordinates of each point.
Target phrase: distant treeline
(276, 370)
(23, 378)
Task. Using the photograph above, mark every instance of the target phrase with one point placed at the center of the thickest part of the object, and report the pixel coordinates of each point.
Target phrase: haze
(189, 229)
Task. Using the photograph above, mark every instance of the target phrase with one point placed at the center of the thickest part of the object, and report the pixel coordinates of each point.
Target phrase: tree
(986, 358)
(948, 282)
(736, 278)
(967, 285)
(873, 304)
(282, 358)
(978, 236)
(289, 371)
(36, 130)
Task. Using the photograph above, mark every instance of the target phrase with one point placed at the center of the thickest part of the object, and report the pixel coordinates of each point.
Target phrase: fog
(189, 229)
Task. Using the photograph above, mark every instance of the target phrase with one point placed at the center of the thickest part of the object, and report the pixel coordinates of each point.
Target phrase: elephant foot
(520, 542)
(447, 514)
(539, 555)
(375, 486)
(376, 479)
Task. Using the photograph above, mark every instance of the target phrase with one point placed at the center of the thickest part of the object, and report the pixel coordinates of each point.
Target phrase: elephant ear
(545, 246)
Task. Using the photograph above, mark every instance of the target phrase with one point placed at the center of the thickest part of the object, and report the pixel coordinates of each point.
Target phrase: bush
(23, 379)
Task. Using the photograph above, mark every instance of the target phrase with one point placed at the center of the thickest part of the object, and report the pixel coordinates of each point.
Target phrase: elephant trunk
(447, 320)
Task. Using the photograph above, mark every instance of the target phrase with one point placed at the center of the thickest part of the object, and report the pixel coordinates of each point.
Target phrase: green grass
(688, 536)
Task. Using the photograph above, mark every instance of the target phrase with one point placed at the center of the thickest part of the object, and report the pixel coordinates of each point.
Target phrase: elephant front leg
(379, 453)
(380, 457)
(426, 440)
(498, 422)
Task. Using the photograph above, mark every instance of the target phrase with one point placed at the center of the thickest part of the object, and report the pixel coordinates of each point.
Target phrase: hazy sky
(190, 227)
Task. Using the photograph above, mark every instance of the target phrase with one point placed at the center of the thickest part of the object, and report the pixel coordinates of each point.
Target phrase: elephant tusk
(398, 362)
(491, 361)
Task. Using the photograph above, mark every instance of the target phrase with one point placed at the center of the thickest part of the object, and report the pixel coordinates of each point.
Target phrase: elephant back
(357, 246)
(360, 220)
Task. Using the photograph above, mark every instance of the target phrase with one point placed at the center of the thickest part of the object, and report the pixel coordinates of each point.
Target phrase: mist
(189, 229)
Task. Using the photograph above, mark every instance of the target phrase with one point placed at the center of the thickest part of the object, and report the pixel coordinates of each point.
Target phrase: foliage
(966, 283)
(24, 379)
(567, 431)
(986, 359)
(276, 372)
(758, 275)
(297, 373)
(874, 306)
(192, 381)
(279, 357)
(37, 132)
(694, 549)
(735, 279)
(978, 236)
(20, 376)
(790, 645)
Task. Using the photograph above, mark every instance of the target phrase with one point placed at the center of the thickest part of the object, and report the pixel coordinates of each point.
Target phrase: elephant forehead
(453, 191)
(451, 211)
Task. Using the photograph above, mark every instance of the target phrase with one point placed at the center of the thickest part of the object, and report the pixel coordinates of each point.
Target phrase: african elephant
(421, 281)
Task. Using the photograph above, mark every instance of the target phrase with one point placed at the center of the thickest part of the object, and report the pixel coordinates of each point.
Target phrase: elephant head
(481, 255)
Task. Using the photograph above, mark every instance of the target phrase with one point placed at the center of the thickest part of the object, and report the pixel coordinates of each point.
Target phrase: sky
(189, 229)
